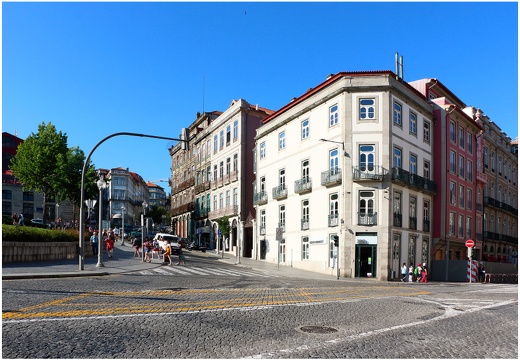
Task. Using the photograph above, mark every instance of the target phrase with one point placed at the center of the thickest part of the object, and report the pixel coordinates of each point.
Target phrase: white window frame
(305, 129)
(367, 109)
(333, 115)
(413, 123)
(398, 114)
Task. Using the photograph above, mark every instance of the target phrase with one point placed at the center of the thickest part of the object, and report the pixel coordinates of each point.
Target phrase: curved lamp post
(101, 184)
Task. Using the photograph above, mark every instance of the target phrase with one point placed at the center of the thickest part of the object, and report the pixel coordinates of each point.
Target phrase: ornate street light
(101, 184)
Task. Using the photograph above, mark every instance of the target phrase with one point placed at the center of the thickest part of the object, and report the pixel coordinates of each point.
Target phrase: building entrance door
(366, 256)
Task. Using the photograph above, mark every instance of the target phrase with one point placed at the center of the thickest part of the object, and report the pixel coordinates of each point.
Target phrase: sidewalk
(123, 261)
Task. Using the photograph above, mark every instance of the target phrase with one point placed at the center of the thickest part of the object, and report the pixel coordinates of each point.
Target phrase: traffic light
(184, 139)
(336, 240)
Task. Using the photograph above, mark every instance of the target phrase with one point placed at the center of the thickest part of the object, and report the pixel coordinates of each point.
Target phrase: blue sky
(93, 69)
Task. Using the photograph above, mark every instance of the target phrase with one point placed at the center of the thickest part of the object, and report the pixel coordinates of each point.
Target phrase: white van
(174, 241)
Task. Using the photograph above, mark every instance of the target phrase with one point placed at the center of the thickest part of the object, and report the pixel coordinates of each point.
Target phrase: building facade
(350, 158)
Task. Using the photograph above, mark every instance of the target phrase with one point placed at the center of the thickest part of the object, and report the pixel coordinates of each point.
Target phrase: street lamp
(123, 225)
(57, 214)
(90, 205)
(101, 184)
(145, 205)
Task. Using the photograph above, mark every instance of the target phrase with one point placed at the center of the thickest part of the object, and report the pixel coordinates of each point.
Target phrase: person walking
(110, 244)
(167, 253)
(15, 219)
(137, 245)
(410, 273)
(94, 243)
(181, 255)
(417, 272)
(404, 272)
(424, 274)
(147, 248)
(20, 219)
(156, 250)
(481, 273)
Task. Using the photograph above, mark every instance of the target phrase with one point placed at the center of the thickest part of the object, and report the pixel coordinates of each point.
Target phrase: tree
(156, 213)
(43, 163)
(223, 225)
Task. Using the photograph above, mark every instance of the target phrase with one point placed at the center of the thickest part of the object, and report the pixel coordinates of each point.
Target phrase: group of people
(17, 219)
(152, 248)
(414, 274)
(107, 237)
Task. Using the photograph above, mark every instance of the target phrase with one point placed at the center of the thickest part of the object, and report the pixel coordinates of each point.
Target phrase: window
(7, 194)
(461, 137)
(334, 160)
(453, 136)
(469, 142)
(493, 162)
(413, 164)
(221, 200)
(221, 169)
(235, 130)
(228, 198)
(413, 123)
(499, 165)
(453, 194)
(215, 202)
(461, 196)
(397, 114)
(262, 184)
(366, 208)
(367, 109)
(305, 129)
(7, 208)
(305, 248)
(262, 218)
(281, 178)
(305, 170)
(452, 224)
(305, 214)
(426, 170)
(262, 150)
(469, 229)
(228, 135)
(461, 226)
(333, 115)
(486, 157)
(426, 216)
(281, 215)
(366, 158)
(281, 140)
(228, 165)
(333, 207)
(426, 131)
(235, 162)
(469, 199)
(398, 156)
(461, 165)
(235, 196)
(221, 139)
(453, 162)
(469, 171)
(413, 213)
(215, 144)
(28, 196)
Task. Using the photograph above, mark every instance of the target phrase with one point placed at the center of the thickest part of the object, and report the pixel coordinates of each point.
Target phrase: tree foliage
(44, 163)
(156, 213)
(224, 225)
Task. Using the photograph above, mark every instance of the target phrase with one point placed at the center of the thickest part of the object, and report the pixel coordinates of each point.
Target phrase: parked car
(174, 241)
(39, 223)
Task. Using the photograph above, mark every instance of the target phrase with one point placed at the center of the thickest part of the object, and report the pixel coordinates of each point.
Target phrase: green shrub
(18, 233)
(7, 219)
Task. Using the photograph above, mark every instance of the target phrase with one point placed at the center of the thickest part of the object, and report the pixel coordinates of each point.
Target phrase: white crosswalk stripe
(199, 271)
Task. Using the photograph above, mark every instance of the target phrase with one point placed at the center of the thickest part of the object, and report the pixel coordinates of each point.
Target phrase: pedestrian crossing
(202, 271)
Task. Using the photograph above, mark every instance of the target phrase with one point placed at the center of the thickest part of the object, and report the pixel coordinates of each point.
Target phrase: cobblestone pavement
(131, 315)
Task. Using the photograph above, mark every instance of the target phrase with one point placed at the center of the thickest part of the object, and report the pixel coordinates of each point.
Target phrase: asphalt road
(230, 312)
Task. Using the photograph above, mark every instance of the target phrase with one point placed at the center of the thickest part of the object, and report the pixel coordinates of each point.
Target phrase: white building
(349, 158)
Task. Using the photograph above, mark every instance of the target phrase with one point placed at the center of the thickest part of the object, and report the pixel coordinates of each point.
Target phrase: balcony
(279, 192)
(305, 224)
(398, 220)
(303, 185)
(371, 172)
(233, 176)
(367, 219)
(226, 211)
(260, 198)
(426, 225)
(333, 220)
(415, 181)
(412, 224)
(331, 177)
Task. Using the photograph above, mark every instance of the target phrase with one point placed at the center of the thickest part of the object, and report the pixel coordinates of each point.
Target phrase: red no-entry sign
(470, 243)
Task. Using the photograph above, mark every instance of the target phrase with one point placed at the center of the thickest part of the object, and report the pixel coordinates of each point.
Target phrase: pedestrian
(424, 274)
(116, 233)
(137, 245)
(417, 272)
(404, 272)
(481, 273)
(156, 250)
(94, 243)
(110, 244)
(167, 253)
(147, 248)
(15, 219)
(181, 255)
(20, 219)
(410, 273)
